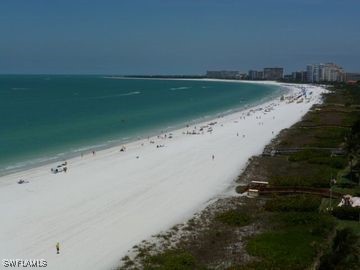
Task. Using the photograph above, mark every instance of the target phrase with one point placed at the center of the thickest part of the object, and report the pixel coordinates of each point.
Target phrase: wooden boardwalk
(323, 192)
(288, 151)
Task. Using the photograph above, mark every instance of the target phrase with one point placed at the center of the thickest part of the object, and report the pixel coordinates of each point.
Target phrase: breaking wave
(118, 95)
(179, 88)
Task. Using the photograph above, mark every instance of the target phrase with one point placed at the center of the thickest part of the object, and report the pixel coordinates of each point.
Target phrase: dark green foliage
(293, 249)
(347, 212)
(334, 162)
(351, 118)
(298, 203)
(234, 218)
(305, 218)
(308, 154)
(314, 137)
(319, 157)
(353, 175)
(293, 244)
(314, 176)
(172, 260)
(352, 139)
(331, 135)
(317, 224)
(344, 253)
(346, 184)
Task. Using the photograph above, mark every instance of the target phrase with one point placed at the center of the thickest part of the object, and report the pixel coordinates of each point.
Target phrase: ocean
(46, 118)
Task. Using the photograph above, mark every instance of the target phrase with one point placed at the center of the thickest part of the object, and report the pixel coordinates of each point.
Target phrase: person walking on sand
(57, 248)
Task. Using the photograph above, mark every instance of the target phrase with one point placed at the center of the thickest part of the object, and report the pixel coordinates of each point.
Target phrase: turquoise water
(53, 117)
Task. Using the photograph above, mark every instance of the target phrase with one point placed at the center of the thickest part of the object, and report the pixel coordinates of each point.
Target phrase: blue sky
(175, 37)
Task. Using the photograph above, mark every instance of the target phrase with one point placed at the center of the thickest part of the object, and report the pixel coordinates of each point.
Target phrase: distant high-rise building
(299, 76)
(252, 74)
(328, 72)
(310, 73)
(316, 74)
(275, 73)
(256, 75)
(288, 77)
(261, 75)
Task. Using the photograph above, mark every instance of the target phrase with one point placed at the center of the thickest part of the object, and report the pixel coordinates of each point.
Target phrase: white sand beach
(108, 202)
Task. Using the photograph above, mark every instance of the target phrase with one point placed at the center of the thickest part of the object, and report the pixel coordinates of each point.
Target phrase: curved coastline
(45, 160)
(117, 199)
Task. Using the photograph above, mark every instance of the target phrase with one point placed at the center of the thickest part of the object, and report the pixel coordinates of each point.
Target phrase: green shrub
(308, 154)
(234, 218)
(330, 137)
(317, 224)
(289, 249)
(344, 253)
(334, 162)
(305, 176)
(346, 184)
(300, 181)
(347, 212)
(297, 203)
(172, 260)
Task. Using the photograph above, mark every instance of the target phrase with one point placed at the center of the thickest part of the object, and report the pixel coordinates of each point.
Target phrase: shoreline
(195, 79)
(114, 195)
(41, 161)
(237, 231)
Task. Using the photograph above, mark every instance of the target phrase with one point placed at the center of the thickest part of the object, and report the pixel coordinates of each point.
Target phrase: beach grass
(296, 203)
(293, 248)
(301, 228)
(172, 260)
(322, 137)
(234, 218)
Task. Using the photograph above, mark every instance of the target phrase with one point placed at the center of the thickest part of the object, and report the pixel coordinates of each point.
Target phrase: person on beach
(93, 152)
(57, 248)
(213, 157)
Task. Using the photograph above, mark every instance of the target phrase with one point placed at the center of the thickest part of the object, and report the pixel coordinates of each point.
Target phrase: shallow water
(50, 117)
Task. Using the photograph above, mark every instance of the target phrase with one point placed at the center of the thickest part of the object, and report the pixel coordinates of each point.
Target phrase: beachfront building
(299, 76)
(255, 75)
(310, 73)
(288, 78)
(328, 72)
(224, 74)
(275, 73)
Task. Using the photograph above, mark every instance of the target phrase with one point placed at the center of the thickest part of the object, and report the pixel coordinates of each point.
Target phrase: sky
(175, 36)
